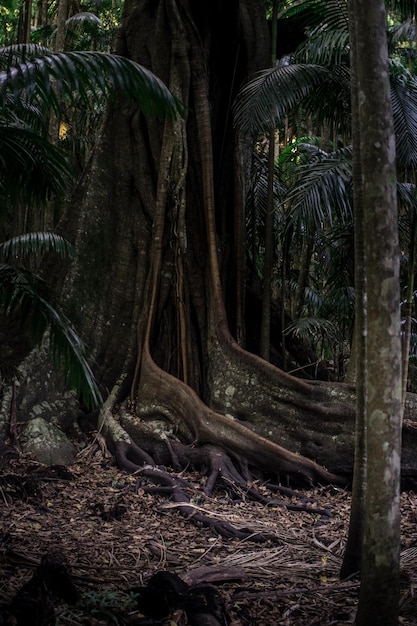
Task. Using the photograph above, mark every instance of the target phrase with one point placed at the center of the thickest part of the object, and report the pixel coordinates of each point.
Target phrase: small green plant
(105, 604)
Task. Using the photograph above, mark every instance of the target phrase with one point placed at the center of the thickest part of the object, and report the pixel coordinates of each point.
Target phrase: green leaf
(39, 69)
(31, 169)
(27, 295)
(266, 99)
(321, 187)
(31, 244)
(404, 107)
(308, 327)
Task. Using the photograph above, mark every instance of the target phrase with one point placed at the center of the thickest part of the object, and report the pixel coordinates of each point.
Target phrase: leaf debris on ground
(114, 537)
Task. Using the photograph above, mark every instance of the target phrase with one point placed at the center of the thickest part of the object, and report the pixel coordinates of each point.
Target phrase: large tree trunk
(154, 305)
(153, 224)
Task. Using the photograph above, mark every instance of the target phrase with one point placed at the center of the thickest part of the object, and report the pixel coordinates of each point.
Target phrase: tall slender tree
(379, 592)
(353, 552)
(269, 217)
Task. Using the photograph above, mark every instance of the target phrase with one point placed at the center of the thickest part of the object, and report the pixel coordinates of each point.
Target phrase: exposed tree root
(162, 394)
(171, 426)
(196, 514)
(215, 464)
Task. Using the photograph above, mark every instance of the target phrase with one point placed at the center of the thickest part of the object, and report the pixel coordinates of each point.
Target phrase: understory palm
(308, 93)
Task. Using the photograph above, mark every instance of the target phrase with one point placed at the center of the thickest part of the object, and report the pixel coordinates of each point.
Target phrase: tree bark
(379, 592)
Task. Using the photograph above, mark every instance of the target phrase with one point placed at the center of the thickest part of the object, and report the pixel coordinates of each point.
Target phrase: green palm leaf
(325, 47)
(51, 74)
(31, 169)
(321, 190)
(404, 106)
(31, 244)
(314, 13)
(26, 293)
(311, 327)
(266, 99)
(402, 32)
(82, 18)
(406, 7)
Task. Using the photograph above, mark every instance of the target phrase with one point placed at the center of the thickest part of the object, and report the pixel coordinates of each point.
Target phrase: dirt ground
(113, 536)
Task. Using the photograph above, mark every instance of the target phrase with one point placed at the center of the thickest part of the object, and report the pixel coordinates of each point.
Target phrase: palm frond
(81, 18)
(31, 169)
(405, 7)
(257, 203)
(22, 114)
(325, 47)
(405, 31)
(404, 106)
(311, 327)
(311, 12)
(312, 298)
(17, 53)
(407, 195)
(31, 244)
(321, 190)
(315, 13)
(49, 74)
(266, 99)
(24, 293)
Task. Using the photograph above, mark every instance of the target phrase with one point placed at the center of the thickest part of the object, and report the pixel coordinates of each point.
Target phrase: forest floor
(114, 536)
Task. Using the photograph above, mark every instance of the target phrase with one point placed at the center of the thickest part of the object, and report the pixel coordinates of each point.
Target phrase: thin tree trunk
(269, 219)
(240, 247)
(305, 261)
(353, 552)
(61, 25)
(25, 22)
(269, 253)
(379, 592)
(409, 306)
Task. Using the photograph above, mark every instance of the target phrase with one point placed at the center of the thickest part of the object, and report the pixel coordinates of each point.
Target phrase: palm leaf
(321, 189)
(309, 12)
(31, 244)
(311, 327)
(82, 18)
(312, 299)
(405, 31)
(26, 293)
(406, 7)
(22, 114)
(52, 74)
(314, 13)
(404, 106)
(325, 47)
(31, 169)
(266, 99)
